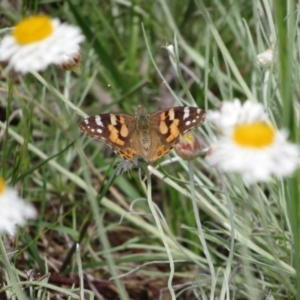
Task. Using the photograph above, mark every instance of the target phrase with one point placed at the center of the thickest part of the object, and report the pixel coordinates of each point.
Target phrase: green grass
(154, 230)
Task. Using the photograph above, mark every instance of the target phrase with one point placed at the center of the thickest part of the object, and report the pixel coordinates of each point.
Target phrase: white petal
(14, 211)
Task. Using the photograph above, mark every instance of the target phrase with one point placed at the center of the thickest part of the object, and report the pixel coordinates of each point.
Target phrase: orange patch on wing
(163, 128)
(114, 135)
(174, 131)
(163, 116)
(170, 114)
(161, 150)
(127, 154)
(124, 131)
(122, 120)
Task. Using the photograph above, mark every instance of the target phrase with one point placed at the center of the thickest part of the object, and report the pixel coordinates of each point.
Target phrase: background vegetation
(247, 249)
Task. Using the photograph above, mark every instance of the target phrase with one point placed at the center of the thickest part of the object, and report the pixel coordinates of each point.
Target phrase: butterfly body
(148, 136)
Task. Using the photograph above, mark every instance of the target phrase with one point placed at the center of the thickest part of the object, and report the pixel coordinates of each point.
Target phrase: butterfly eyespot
(159, 153)
(165, 148)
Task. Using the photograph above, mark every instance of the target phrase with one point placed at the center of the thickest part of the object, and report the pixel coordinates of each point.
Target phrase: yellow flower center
(254, 135)
(2, 185)
(33, 29)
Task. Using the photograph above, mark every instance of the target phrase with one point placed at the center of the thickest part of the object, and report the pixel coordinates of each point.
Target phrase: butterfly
(147, 136)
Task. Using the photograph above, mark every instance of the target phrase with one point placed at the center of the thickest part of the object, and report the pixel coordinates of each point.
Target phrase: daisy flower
(249, 145)
(37, 42)
(13, 210)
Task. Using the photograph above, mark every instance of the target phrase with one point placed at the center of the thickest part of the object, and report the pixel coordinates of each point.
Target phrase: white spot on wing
(187, 123)
(86, 121)
(198, 111)
(99, 130)
(186, 112)
(92, 130)
(98, 121)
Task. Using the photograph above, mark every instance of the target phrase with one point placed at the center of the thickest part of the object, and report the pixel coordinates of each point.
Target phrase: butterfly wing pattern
(144, 135)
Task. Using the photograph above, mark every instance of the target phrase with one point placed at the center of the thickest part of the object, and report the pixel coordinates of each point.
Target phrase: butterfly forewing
(114, 129)
(172, 122)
